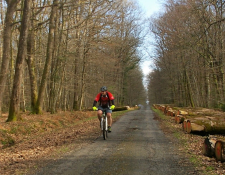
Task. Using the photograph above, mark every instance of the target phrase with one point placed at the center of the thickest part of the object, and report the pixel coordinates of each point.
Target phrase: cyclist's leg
(109, 117)
(99, 112)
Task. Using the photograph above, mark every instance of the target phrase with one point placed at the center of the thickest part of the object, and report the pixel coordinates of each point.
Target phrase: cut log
(179, 119)
(205, 124)
(214, 146)
(171, 112)
(212, 127)
(193, 127)
(162, 108)
(166, 109)
(188, 129)
(155, 106)
(121, 108)
(211, 123)
(219, 151)
(184, 126)
(176, 119)
(182, 112)
(197, 128)
(209, 147)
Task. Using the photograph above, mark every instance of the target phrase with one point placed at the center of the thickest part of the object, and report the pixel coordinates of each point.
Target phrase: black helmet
(103, 88)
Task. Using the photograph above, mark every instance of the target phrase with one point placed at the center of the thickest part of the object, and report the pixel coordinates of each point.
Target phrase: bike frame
(104, 124)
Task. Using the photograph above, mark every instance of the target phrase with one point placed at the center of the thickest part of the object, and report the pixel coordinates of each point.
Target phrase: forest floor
(30, 143)
(191, 145)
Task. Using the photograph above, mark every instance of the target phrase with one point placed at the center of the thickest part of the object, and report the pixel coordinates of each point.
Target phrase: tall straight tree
(15, 100)
(11, 7)
(31, 58)
(49, 53)
(63, 62)
(190, 42)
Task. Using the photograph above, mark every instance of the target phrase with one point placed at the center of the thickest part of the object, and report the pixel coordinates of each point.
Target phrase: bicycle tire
(104, 131)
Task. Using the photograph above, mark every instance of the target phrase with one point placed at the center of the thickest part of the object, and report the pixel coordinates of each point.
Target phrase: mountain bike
(104, 125)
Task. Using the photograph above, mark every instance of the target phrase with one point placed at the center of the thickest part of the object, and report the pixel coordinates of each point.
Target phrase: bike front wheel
(104, 131)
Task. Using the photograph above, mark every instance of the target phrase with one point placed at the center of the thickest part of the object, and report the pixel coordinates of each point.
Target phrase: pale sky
(149, 7)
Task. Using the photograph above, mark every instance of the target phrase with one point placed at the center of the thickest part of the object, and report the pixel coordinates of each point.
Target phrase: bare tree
(15, 98)
(90, 43)
(189, 39)
(48, 56)
(11, 7)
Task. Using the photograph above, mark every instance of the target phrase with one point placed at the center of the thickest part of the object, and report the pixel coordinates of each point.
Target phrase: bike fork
(102, 119)
(104, 122)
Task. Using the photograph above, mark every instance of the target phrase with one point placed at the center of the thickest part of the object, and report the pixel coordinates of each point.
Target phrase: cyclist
(106, 101)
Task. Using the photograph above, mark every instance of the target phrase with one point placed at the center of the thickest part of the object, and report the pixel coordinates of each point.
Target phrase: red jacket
(106, 101)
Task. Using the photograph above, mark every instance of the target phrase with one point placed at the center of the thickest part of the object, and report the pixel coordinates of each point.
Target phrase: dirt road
(136, 146)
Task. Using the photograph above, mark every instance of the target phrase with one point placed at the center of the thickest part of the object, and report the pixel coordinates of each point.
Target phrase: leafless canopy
(60, 56)
(189, 54)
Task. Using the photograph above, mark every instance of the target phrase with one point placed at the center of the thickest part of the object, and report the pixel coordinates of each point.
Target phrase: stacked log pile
(196, 119)
(180, 116)
(166, 109)
(201, 120)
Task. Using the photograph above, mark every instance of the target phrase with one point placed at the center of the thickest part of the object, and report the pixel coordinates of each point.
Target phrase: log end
(219, 151)
(184, 126)
(188, 127)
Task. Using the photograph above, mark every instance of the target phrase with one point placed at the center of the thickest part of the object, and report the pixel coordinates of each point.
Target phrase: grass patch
(209, 168)
(61, 122)
(41, 122)
(119, 113)
(160, 114)
(3, 131)
(63, 149)
(114, 115)
(90, 118)
(13, 130)
(195, 161)
(177, 135)
(7, 142)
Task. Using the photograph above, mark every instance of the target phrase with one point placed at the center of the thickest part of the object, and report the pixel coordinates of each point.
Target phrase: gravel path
(136, 146)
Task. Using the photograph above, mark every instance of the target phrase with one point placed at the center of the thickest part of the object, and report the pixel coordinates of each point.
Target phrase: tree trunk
(189, 94)
(75, 98)
(31, 67)
(54, 67)
(76, 57)
(83, 79)
(11, 7)
(15, 97)
(48, 57)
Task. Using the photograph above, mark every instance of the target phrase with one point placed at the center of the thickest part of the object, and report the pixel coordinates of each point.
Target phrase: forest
(189, 54)
(56, 54)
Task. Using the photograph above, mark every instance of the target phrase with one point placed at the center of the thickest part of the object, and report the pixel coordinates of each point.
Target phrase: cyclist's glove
(94, 108)
(112, 107)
